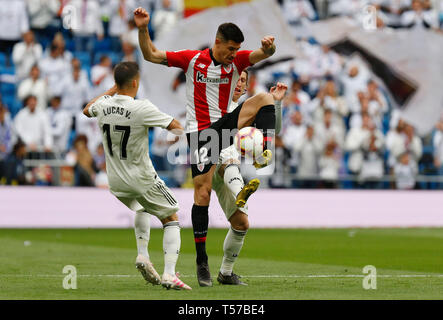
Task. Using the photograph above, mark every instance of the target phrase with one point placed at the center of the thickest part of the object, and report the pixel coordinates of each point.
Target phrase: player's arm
(176, 127)
(150, 52)
(110, 92)
(267, 49)
(278, 93)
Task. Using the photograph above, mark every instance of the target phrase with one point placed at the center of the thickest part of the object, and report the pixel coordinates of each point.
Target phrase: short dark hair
(229, 31)
(125, 72)
(26, 100)
(19, 144)
(59, 98)
(247, 74)
(79, 138)
(103, 58)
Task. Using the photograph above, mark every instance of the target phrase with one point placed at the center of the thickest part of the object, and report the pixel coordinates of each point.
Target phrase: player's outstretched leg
(142, 262)
(171, 249)
(260, 110)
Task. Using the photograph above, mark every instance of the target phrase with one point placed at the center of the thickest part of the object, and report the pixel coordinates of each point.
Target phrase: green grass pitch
(277, 264)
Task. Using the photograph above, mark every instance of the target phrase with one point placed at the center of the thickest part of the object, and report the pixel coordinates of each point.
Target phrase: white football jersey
(232, 106)
(124, 123)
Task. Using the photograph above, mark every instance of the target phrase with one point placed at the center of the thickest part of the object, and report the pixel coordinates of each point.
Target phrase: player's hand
(141, 17)
(278, 91)
(268, 46)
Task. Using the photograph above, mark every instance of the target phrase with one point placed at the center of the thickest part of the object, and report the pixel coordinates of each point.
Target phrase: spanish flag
(194, 6)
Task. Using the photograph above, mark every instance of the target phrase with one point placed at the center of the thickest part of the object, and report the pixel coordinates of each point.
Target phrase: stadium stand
(348, 102)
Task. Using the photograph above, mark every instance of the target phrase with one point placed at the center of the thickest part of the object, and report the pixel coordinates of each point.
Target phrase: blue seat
(104, 45)
(2, 59)
(12, 104)
(71, 138)
(114, 56)
(7, 88)
(84, 57)
(16, 107)
(7, 70)
(428, 149)
(385, 123)
(88, 71)
(70, 45)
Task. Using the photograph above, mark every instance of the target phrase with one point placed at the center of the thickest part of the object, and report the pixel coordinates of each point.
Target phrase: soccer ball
(249, 142)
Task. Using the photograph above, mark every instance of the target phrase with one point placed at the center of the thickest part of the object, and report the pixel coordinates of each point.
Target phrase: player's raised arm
(278, 93)
(150, 52)
(267, 49)
(110, 92)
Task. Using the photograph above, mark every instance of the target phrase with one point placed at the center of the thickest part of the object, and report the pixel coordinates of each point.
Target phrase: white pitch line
(244, 276)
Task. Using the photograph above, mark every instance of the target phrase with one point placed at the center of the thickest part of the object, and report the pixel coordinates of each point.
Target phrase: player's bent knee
(265, 99)
(239, 221)
(241, 226)
(173, 217)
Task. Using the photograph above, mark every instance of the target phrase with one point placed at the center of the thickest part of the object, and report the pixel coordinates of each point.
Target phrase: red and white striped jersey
(209, 86)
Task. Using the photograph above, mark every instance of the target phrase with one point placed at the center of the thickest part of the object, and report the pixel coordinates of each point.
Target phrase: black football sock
(200, 222)
(265, 121)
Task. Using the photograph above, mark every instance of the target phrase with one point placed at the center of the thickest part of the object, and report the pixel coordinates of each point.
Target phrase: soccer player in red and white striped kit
(211, 76)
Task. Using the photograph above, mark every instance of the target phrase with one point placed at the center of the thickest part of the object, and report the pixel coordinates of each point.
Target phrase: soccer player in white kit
(124, 122)
(231, 191)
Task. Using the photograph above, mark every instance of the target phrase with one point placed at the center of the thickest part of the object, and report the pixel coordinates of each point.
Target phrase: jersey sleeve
(95, 107)
(153, 117)
(181, 58)
(242, 60)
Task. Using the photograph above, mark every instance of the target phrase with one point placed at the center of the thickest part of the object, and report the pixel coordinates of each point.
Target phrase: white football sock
(142, 232)
(231, 248)
(233, 179)
(171, 245)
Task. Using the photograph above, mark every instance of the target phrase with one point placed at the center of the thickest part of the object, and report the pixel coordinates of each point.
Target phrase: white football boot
(147, 270)
(173, 282)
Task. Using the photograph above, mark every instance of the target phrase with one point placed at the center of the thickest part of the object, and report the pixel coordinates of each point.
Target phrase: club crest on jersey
(200, 166)
(228, 68)
(200, 77)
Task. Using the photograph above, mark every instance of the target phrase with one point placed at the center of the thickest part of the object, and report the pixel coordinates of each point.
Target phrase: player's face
(226, 51)
(240, 88)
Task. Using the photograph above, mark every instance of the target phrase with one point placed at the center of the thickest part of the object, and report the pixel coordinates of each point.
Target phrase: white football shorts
(158, 200)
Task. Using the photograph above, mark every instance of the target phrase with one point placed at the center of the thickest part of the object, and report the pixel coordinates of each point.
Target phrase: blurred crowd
(338, 118)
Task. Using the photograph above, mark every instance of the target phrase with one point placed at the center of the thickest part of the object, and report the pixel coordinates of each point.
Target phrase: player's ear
(134, 83)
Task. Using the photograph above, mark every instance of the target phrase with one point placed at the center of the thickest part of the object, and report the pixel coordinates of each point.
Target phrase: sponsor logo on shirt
(200, 77)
